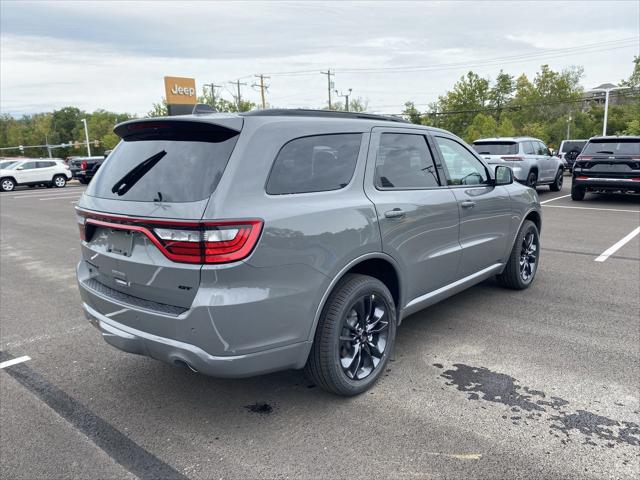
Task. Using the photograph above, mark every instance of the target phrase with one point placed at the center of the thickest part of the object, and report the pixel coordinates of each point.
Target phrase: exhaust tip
(183, 364)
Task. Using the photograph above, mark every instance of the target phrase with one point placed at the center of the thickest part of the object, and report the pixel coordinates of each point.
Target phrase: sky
(113, 55)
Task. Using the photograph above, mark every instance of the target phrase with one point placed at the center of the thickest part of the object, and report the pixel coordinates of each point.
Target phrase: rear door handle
(468, 204)
(395, 213)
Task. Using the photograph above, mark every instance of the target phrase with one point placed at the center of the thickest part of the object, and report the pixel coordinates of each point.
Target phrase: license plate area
(120, 242)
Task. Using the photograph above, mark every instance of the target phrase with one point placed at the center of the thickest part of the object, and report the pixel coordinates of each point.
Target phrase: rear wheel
(523, 262)
(7, 184)
(355, 336)
(59, 181)
(577, 193)
(532, 180)
(556, 186)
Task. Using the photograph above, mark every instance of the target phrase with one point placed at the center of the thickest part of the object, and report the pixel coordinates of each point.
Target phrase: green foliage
(411, 113)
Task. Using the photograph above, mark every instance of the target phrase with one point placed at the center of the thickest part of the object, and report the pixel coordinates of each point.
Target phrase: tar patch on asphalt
(482, 384)
(260, 408)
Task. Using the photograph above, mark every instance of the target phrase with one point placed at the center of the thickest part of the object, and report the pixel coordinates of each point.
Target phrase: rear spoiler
(187, 128)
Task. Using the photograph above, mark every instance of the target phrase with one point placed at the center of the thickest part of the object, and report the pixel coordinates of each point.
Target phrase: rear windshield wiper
(125, 184)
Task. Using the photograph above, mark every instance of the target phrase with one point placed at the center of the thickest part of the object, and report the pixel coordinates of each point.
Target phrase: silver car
(237, 245)
(529, 158)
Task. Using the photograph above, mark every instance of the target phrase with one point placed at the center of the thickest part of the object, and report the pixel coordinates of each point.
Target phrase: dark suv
(607, 164)
(243, 244)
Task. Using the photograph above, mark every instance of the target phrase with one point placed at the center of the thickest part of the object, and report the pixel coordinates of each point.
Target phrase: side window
(463, 167)
(404, 161)
(529, 148)
(28, 165)
(44, 164)
(542, 149)
(314, 164)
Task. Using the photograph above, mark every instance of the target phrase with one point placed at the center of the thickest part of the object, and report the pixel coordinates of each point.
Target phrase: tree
(468, 97)
(411, 113)
(482, 126)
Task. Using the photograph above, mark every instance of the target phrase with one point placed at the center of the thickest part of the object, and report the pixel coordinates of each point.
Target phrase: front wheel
(355, 336)
(556, 186)
(7, 185)
(59, 181)
(522, 265)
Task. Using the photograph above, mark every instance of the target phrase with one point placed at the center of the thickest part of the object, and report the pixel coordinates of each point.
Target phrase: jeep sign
(180, 91)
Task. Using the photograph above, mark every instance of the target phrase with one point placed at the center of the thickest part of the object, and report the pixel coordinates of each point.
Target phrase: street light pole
(606, 105)
(86, 136)
(569, 127)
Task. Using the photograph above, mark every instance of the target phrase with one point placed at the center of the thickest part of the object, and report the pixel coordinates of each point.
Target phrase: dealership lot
(489, 383)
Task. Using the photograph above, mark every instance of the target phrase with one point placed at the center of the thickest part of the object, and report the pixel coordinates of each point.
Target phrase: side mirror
(20, 168)
(504, 175)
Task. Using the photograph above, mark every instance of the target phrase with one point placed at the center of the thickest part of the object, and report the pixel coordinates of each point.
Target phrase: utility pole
(86, 136)
(237, 83)
(213, 87)
(329, 83)
(606, 104)
(262, 87)
(346, 97)
(46, 140)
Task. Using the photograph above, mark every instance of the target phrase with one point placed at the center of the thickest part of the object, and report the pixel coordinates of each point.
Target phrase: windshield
(495, 148)
(568, 146)
(163, 170)
(616, 146)
(8, 165)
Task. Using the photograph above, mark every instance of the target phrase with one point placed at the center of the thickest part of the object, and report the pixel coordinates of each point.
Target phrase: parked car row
(84, 168)
(41, 172)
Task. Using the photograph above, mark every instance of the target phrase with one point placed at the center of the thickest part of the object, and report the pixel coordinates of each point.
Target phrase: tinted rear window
(185, 168)
(496, 148)
(613, 147)
(569, 146)
(314, 164)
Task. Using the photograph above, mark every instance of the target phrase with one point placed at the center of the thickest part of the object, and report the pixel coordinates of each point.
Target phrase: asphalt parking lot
(543, 383)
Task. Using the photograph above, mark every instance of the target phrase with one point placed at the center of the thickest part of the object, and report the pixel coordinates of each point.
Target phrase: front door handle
(395, 213)
(468, 204)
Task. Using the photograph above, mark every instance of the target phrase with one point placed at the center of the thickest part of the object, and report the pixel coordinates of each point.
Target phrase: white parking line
(36, 193)
(75, 195)
(617, 246)
(594, 208)
(553, 199)
(15, 361)
(42, 195)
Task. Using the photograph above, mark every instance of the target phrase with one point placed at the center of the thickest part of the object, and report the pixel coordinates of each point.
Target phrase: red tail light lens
(186, 242)
(512, 159)
(582, 177)
(83, 165)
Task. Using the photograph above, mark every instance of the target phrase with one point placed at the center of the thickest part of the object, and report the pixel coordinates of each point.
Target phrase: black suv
(607, 164)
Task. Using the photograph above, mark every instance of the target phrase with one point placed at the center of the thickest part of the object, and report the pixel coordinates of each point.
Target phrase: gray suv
(529, 158)
(238, 245)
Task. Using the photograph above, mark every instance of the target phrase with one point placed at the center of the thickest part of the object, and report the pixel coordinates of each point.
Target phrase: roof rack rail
(301, 112)
(202, 108)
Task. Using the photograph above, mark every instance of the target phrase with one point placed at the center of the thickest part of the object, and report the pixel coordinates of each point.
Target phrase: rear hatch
(140, 217)
(497, 152)
(610, 158)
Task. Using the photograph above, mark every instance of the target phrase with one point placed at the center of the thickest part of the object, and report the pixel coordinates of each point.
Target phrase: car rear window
(616, 146)
(568, 146)
(181, 164)
(314, 164)
(495, 148)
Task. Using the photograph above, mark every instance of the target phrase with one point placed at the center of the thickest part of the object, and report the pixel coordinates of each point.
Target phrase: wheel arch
(376, 264)
(15, 182)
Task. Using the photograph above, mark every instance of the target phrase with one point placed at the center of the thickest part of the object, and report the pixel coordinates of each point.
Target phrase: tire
(556, 186)
(59, 181)
(532, 180)
(356, 301)
(32, 186)
(577, 193)
(516, 275)
(7, 184)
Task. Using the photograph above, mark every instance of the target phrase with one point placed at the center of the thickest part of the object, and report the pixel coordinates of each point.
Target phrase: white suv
(529, 158)
(46, 172)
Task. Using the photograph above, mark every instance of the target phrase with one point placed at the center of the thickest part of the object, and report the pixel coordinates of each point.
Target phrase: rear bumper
(179, 353)
(613, 184)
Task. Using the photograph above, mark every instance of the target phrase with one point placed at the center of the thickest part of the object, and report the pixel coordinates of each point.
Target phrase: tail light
(635, 179)
(512, 159)
(186, 242)
(582, 177)
(83, 165)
